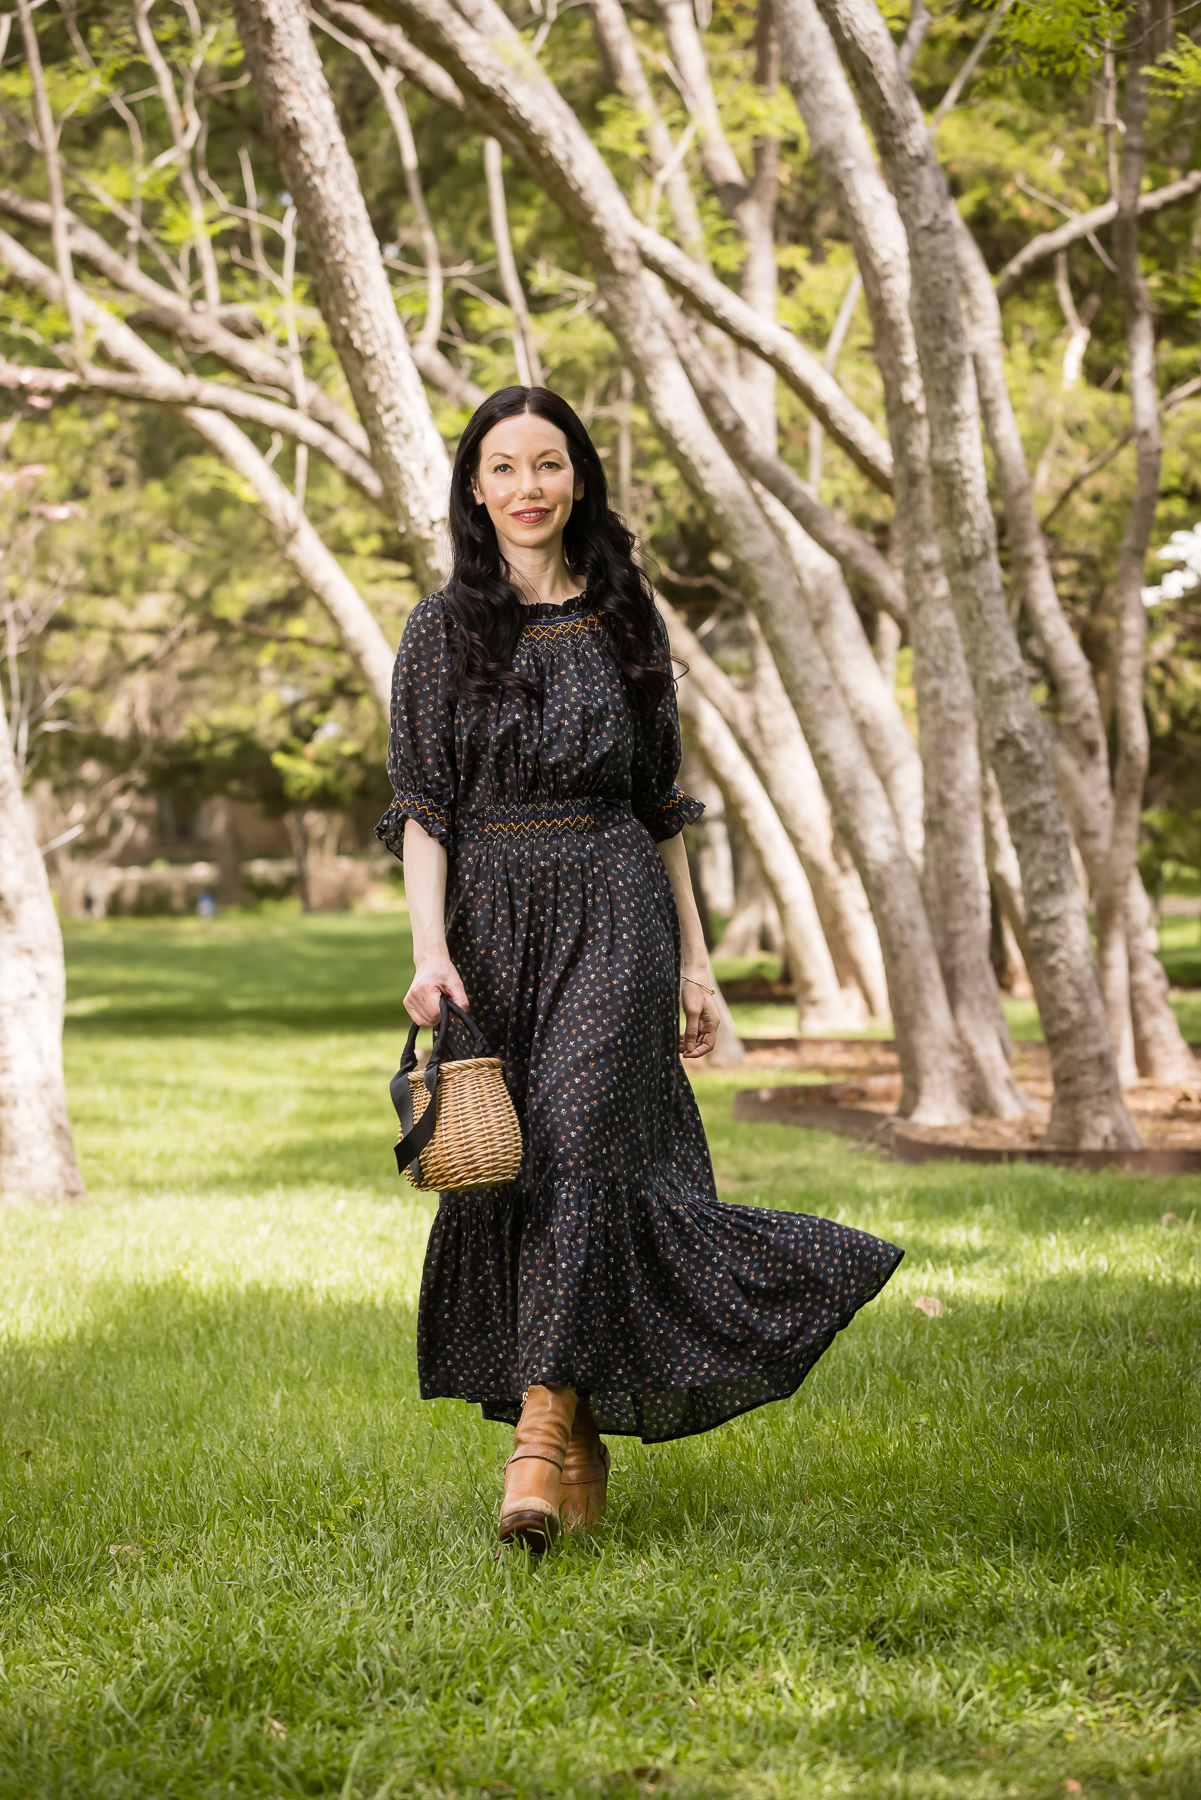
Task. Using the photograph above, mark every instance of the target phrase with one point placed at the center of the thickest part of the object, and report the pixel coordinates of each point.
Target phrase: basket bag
(458, 1128)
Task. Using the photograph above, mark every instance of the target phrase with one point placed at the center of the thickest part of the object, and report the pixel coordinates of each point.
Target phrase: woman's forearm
(696, 993)
(425, 891)
(693, 954)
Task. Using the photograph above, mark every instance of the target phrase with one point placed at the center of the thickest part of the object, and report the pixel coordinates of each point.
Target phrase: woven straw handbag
(458, 1129)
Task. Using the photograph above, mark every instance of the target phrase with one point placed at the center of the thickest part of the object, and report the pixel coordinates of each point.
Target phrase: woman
(534, 750)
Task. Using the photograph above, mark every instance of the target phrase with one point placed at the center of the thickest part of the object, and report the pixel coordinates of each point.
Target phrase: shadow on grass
(152, 977)
(234, 1018)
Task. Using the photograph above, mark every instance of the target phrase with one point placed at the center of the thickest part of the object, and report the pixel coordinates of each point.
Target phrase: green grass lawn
(241, 1557)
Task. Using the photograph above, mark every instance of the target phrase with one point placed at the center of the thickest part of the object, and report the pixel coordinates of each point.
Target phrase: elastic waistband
(540, 818)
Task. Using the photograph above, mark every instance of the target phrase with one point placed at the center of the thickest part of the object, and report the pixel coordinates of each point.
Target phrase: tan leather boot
(585, 1481)
(529, 1513)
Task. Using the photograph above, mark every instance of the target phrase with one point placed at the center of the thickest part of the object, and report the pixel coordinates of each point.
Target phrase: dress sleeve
(663, 807)
(421, 743)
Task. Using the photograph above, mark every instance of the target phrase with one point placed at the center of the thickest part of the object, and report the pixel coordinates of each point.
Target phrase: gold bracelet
(712, 992)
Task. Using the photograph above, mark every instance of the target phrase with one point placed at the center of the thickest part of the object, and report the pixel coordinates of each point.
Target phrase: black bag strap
(414, 1138)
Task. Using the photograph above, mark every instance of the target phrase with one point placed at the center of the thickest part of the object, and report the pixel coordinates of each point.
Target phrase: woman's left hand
(700, 1016)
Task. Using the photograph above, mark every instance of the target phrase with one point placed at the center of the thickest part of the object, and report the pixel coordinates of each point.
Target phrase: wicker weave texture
(477, 1140)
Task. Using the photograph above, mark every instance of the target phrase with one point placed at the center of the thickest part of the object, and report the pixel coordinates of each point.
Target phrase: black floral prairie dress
(610, 1265)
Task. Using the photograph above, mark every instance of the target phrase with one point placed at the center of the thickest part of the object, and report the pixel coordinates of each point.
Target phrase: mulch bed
(862, 1098)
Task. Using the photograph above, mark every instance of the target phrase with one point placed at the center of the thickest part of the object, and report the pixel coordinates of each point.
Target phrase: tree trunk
(853, 550)
(300, 844)
(954, 882)
(1159, 1044)
(821, 1004)
(223, 839)
(751, 204)
(356, 300)
(763, 720)
(1130, 768)
(1088, 1110)
(753, 929)
(714, 857)
(870, 701)
(37, 1153)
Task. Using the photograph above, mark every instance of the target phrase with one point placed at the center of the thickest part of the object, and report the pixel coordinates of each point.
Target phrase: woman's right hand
(435, 975)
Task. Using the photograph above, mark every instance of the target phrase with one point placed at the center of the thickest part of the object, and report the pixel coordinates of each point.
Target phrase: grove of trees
(884, 318)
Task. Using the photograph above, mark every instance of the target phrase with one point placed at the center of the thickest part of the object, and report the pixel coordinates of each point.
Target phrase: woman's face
(526, 481)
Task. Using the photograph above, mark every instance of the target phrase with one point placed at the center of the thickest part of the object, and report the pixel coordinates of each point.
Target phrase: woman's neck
(541, 575)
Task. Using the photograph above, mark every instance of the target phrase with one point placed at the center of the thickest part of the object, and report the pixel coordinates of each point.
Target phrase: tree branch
(314, 562)
(174, 388)
(855, 553)
(613, 31)
(54, 177)
(184, 133)
(352, 285)
(796, 365)
(390, 42)
(388, 83)
(200, 331)
(529, 369)
(1039, 248)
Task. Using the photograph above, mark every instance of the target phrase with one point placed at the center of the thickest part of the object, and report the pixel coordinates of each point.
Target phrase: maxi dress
(609, 1265)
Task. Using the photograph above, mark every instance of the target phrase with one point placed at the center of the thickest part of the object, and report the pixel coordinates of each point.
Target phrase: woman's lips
(533, 516)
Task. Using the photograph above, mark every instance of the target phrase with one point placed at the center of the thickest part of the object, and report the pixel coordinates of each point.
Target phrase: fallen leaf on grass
(26, 1454)
(123, 1550)
(1072, 1787)
(933, 1308)
(1168, 1219)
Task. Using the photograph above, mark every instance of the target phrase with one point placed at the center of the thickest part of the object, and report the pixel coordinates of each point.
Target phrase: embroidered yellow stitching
(575, 822)
(541, 629)
(413, 803)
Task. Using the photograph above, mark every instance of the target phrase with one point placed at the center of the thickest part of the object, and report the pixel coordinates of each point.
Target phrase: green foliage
(1178, 71)
(1064, 36)
(242, 1557)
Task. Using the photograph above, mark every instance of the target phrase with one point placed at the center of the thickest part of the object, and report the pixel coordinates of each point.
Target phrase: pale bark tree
(749, 201)
(1088, 1108)
(954, 875)
(822, 1006)
(525, 351)
(768, 734)
(1080, 751)
(356, 300)
(37, 1152)
(1132, 746)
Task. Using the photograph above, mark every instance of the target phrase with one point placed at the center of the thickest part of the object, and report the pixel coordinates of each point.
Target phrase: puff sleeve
(421, 742)
(656, 800)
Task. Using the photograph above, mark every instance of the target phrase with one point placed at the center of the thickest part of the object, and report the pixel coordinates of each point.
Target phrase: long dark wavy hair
(483, 605)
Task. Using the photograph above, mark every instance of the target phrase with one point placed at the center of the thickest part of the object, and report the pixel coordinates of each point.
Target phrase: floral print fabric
(610, 1264)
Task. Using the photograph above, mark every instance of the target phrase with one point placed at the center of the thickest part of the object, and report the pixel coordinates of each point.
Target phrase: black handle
(414, 1138)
